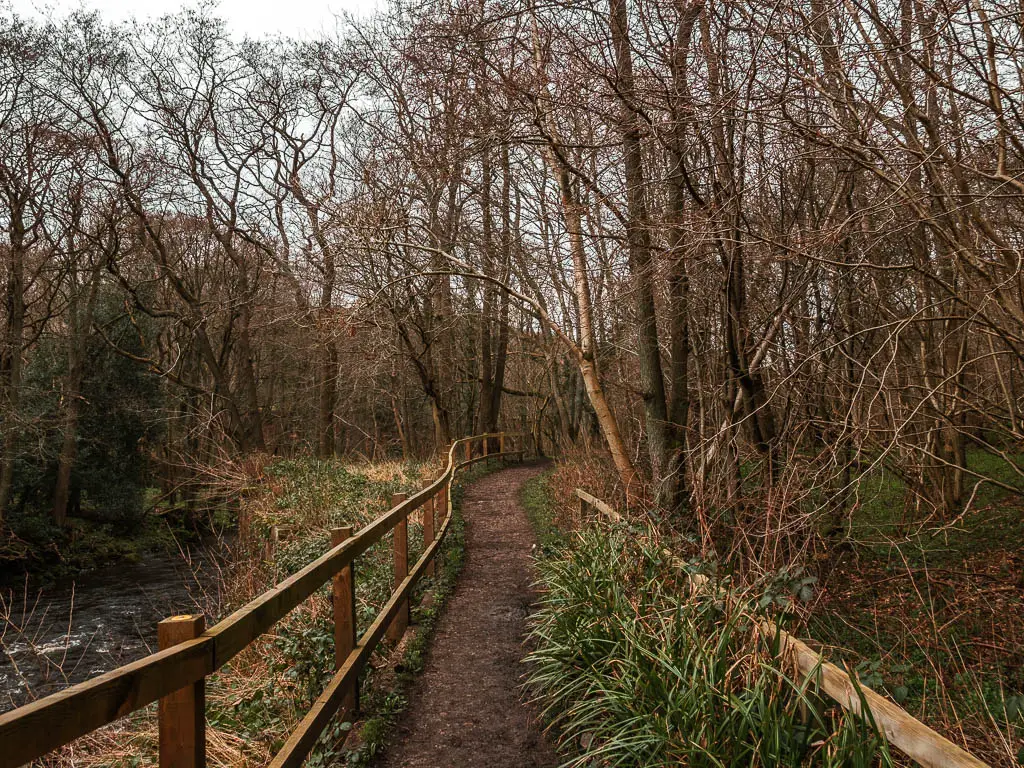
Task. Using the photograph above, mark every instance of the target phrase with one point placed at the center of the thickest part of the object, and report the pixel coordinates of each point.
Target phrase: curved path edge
(466, 708)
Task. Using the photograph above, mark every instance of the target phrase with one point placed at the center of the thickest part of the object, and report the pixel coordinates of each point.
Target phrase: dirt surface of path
(466, 708)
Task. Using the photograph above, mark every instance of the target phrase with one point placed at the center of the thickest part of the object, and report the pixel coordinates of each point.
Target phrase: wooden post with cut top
(428, 527)
(181, 716)
(469, 450)
(344, 599)
(485, 445)
(501, 442)
(401, 547)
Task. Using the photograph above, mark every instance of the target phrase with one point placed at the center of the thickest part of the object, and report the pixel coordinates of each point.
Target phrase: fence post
(270, 545)
(344, 599)
(181, 716)
(401, 547)
(469, 450)
(501, 442)
(485, 445)
(428, 528)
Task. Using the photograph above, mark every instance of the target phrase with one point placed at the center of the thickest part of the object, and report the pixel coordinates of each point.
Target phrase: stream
(54, 636)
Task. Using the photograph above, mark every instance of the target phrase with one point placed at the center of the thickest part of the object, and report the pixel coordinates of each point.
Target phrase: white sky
(295, 18)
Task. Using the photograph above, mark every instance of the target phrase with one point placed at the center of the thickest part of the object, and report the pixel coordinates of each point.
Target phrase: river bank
(65, 630)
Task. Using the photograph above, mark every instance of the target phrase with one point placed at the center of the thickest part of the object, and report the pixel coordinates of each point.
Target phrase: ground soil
(946, 624)
(468, 708)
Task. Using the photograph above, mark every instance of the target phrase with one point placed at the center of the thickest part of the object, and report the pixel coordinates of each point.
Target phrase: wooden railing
(175, 675)
(912, 737)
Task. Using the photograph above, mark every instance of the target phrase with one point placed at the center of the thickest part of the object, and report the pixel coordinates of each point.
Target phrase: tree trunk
(327, 391)
(586, 358)
(327, 384)
(80, 315)
(585, 353)
(501, 347)
(69, 448)
(328, 356)
(486, 419)
(253, 417)
(10, 359)
(641, 264)
(676, 490)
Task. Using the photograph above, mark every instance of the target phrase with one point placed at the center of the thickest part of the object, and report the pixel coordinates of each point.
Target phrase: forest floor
(467, 708)
(927, 610)
(932, 613)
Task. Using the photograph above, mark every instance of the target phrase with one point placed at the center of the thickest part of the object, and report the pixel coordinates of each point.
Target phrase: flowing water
(58, 635)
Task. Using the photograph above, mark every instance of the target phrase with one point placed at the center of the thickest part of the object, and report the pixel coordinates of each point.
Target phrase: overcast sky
(295, 18)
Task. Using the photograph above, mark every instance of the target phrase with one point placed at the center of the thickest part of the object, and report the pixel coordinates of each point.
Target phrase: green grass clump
(633, 672)
(539, 503)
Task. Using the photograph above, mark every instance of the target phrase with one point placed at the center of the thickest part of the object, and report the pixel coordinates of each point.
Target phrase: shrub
(638, 673)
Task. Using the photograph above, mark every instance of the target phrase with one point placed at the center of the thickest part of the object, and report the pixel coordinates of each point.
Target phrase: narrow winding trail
(466, 709)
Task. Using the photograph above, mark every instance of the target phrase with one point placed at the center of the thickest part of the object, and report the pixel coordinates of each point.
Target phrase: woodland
(754, 271)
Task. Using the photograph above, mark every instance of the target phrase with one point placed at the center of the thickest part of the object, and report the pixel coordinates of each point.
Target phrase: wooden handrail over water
(912, 737)
(175, 675)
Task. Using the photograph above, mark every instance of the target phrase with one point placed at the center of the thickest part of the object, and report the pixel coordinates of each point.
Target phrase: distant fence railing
(175, 675)
(912, 737)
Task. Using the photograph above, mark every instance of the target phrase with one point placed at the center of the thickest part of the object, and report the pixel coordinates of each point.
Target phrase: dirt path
(466, 708)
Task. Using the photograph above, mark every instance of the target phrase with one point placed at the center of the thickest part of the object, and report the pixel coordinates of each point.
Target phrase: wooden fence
(912, 737)
(175, 675)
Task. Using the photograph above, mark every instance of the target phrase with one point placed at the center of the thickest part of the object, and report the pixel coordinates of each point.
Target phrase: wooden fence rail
(912, 737)
(175, 675)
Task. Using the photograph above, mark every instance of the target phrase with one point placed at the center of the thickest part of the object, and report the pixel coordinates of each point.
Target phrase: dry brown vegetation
(260, 696)
(753, 267)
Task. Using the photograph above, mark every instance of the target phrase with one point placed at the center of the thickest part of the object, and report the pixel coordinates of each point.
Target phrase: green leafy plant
(632, 671)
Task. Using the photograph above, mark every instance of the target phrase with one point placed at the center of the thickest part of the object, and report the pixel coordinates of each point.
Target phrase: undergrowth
(33, 545)
(254, 702)
(542, 511)
(930, 609)
(926, 609)
(385, 705)
(631, 671)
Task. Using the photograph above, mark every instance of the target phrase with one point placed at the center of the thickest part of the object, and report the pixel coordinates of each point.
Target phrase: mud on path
(466, 709)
